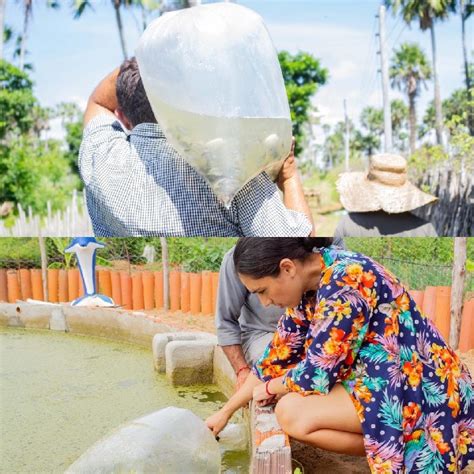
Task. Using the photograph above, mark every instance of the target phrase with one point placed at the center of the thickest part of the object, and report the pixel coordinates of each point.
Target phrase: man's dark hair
(259, 257)
(131, 95)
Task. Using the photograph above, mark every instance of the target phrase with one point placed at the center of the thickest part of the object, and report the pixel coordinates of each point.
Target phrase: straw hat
(385, 186)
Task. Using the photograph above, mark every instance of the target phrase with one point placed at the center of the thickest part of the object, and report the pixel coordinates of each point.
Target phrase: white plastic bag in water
(214, 82)
(169, 441)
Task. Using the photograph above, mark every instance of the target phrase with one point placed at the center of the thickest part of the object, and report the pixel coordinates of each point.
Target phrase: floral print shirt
(413, 396)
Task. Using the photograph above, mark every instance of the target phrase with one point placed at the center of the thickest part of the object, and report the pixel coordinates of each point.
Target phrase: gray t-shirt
(240, 317)
(375, 224)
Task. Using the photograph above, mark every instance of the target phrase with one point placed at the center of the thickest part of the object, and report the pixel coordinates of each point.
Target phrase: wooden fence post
(166, 271)
(457, 289)
(44, 266)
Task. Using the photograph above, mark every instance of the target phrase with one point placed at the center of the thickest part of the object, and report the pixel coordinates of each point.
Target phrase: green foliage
(19, 252)
(457, 105)
(460, 153)
(34, 172)
(72, 121)
(303, 74)
(16, 100)
(194, 255)
(55, 248)
(432, 250)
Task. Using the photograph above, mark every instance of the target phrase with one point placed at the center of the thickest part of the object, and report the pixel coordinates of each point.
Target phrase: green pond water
(60, 393)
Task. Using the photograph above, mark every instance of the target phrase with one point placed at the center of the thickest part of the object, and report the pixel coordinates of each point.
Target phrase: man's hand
(289, 170)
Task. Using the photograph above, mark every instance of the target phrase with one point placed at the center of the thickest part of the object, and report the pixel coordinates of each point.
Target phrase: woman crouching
(354, 365)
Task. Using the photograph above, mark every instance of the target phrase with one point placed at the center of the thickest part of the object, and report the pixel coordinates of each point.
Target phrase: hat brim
(359, 194)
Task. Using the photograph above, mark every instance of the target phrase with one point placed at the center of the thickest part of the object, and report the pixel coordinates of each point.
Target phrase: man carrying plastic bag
(232, 138)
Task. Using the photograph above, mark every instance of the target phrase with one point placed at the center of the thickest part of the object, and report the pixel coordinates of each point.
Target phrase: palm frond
(433, 393)
(429, 462)
(391, 412)
(374, 353)
(320, 381)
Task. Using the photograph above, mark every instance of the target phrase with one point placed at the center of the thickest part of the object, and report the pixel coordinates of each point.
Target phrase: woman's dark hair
(259, 257)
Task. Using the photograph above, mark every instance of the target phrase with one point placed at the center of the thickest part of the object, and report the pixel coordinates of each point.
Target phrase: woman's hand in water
(216, 422)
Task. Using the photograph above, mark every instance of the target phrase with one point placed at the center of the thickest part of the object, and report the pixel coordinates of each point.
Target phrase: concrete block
(224, 376)
(161, 340)
(158, 346)
(189, 362)
(58, 321)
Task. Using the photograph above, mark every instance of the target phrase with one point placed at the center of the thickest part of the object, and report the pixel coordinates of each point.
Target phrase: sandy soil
(184, 321)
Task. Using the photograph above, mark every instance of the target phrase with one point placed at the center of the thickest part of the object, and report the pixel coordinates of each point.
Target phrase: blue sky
(71, 56)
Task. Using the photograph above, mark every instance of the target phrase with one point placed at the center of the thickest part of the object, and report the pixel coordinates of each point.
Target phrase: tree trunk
(26, 18)
(412, 120)
(457, 289)
(118, 18)
(3, 4)
(437, 95)
(470, 112)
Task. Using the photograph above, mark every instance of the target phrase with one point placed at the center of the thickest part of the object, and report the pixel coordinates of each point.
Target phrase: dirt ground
(184, 321)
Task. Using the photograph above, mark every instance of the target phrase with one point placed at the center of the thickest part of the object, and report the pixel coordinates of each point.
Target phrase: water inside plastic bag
(214, 82)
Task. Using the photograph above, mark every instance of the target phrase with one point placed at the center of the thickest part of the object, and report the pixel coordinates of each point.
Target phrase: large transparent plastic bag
(169, 441)
(215, 85)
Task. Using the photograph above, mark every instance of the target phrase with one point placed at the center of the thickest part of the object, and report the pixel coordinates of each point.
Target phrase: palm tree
(427, 12)
(466, 8)
(409, 70)
(27, 12)
(371, 120)
(399, 112)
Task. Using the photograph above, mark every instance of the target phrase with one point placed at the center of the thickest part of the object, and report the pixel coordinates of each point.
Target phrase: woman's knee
(291, 416)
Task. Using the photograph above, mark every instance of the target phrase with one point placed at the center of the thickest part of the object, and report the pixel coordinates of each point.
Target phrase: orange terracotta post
(148, 290)
(185, 293)
(206, 293)
(82, 291)
(215, 288)
(116, 287)
(73, 284)
(137, 291)
(175, 287)
(443, 310)
(466, 337)
(25, 284)
(429, 302)
(63, 296)
(126, 286)
(53, 285)
(3, 285)
(159, 298)
(195, 281)
(105, 284)
(36, 284)
(13, 286)
(417, 295)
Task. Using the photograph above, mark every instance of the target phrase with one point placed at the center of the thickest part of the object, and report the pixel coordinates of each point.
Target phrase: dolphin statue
(85, 250)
